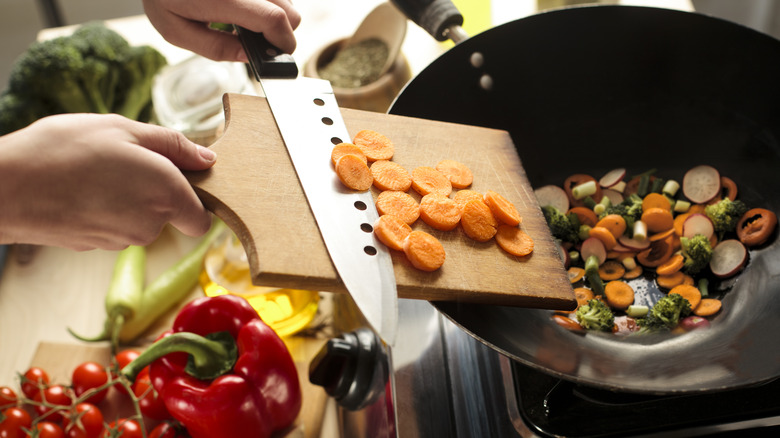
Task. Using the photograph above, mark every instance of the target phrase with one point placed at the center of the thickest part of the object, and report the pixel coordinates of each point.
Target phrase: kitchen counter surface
(45, 290)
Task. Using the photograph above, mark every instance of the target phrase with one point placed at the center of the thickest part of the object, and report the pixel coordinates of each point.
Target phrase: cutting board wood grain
(253, 187)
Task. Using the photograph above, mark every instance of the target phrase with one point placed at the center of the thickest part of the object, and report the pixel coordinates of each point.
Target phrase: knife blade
(310, 123)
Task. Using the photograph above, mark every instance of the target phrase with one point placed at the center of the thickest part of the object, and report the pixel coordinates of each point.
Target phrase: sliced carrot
(461, 197)
(391, 231)
(424, 251)
(459, 174)
(389, 175)
(671, 280)
(439, 211)
(502, 208)
(633, 273)
(478, 221)
(374, 145)
(611, 270)
(614, 223)
(678, 223)
(707, 307)
(661, 236)
(426, 180)
(728, 188)
(687, 279)
(400, 204)
(619, 294)
(585, 215)
(583, 295)
(575, 274)
(514, 240)
(690, 293)
(655, 200)
(605, 236)
(697, 208)
(342, 149)
(354, 173)
(658, 219)
(674, 264)
(566, 322)
(660, 250)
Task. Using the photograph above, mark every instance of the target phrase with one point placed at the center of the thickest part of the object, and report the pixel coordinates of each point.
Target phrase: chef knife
(310, 123)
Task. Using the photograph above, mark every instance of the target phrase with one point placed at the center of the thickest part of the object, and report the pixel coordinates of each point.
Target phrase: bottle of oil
(226, 271)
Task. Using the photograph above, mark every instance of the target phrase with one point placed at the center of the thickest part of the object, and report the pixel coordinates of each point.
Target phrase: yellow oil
(226, 271)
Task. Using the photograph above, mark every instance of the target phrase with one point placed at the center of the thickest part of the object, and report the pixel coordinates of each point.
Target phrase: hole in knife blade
(336, 140)
(366, 227)
(327, 120)
(370, 250)
(360, 205)
(319, 102)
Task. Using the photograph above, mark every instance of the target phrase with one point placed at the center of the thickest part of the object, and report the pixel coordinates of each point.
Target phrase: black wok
(588, 89)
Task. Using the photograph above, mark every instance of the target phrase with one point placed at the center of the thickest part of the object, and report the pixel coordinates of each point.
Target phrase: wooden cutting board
(253, 187)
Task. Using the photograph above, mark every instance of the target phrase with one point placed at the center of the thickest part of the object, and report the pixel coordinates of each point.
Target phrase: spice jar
(377, 95)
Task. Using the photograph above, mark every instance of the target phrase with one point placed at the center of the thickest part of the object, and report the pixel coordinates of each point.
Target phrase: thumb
(173, 145)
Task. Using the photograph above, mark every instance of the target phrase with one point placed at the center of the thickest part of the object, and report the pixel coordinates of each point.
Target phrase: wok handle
(440, 18)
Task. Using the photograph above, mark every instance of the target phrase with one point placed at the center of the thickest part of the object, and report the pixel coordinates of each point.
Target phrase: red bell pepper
(222, 372)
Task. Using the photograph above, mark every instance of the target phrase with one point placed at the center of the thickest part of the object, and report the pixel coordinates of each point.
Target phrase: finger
(193, 219)
(173, 145)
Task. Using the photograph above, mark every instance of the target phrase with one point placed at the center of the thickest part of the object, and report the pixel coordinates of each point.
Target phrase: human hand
(86, 181)
(185, 23)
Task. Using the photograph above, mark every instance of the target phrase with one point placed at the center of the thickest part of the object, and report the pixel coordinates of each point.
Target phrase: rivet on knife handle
(265, 59)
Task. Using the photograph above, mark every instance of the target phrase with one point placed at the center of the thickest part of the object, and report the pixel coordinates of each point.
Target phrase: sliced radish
(698, 223)
(612, 177)
(728, 258)
(634, 244)
(552, 195)
(592, 246)
(620, 248)
(564, 255)
(701, 184)
(614, 196)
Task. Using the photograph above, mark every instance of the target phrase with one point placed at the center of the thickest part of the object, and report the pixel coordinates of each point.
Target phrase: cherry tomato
(169, 430)
(123, 427)
(121, 359)
(33, 379)
(84, 421)
(52, 395)
(88, 376)
(15, 420)
(7, 397)
(150, 403)
(47, 429)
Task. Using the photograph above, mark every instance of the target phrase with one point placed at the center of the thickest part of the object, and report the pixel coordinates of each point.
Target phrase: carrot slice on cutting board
(391, 231)
(424, 251)
(461, 197)
(354, 173)
(439, 211)
(459, 174)
(502, 208)
(342, 149)
(478, 221)
(514, 240)
(374, 145)
(426, 179)
(389, 175)
(400, 204)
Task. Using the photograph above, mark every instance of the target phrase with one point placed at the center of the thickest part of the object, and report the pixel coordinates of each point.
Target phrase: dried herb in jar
(357, 65)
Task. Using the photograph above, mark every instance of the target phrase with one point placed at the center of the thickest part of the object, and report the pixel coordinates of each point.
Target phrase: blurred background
(21, 20)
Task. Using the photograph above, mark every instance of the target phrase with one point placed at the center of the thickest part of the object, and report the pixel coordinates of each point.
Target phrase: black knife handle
(435, 16)
(265, 59)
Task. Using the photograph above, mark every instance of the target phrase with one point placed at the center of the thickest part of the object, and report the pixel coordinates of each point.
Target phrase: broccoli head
(562, 226)
(697, 251)
(665, 314)
(725, 214)
(630, 209)
(596, 315)
(140, 64)
(95, 40)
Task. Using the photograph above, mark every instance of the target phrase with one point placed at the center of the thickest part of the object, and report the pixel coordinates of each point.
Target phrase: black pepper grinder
(352, 368)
